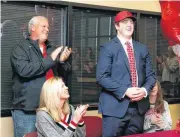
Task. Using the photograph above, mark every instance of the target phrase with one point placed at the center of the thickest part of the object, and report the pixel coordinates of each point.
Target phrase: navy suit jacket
(113, 75)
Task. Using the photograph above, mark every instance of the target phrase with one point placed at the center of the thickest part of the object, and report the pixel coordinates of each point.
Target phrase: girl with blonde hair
(158, 117)
(55, 117)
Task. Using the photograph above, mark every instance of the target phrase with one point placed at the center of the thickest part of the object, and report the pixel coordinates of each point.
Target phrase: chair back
(32, 134)
(93, 126)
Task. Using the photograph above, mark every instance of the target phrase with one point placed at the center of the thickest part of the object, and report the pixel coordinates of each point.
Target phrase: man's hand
(139, 95)
(132, 92)
(135, 93)
(65, 54)
(55, 53)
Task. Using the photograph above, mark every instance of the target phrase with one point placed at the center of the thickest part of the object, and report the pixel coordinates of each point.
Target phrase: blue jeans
(24, 122)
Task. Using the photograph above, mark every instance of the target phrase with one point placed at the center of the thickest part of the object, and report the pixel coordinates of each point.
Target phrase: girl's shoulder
(41, 113)
(165, 103)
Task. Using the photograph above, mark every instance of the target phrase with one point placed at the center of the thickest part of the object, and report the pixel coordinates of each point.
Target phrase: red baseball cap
(122, 15)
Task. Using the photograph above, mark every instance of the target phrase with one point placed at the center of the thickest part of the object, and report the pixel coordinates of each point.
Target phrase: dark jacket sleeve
(103, 73)
(64, 69)
(22, 64)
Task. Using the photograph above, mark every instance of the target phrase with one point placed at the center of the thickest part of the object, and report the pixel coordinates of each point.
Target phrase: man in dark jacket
(33, 61)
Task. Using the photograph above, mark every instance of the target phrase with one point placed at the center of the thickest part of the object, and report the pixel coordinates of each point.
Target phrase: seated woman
(158, 117)
(55, 117)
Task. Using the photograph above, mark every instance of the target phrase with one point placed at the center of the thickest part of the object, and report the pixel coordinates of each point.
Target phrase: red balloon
(170, 21)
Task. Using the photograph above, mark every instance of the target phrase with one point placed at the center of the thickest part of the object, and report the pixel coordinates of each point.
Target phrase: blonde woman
(158, 117)
(55, 117)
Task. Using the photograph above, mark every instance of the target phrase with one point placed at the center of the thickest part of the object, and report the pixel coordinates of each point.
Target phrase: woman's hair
(159, 104)
(50, 100)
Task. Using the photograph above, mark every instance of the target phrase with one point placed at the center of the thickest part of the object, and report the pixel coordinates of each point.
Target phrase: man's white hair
(34, 20)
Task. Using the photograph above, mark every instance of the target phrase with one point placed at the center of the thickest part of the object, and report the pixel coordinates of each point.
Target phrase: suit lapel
(136, 54)
(123, 53)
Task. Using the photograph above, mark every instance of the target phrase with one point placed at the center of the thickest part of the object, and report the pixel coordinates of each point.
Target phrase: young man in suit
(124, 71)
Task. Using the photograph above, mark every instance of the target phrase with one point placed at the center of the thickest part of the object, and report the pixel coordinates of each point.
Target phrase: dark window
(90, 29)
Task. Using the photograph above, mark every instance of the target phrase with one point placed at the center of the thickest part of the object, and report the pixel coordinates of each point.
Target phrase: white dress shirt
(123, 41)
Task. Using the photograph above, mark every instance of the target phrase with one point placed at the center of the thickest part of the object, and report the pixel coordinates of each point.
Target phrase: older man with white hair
(33, 61)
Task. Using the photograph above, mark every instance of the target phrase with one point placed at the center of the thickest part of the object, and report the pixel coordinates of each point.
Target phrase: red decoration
(170, 21)
(178, 126)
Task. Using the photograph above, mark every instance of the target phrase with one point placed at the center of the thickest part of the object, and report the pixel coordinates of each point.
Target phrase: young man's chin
(128, 36)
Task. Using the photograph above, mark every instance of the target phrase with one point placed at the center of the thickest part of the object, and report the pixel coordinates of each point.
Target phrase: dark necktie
(132, 64)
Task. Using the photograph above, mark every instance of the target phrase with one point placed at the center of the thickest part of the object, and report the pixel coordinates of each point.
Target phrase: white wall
(144, 5)
(6, 127)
